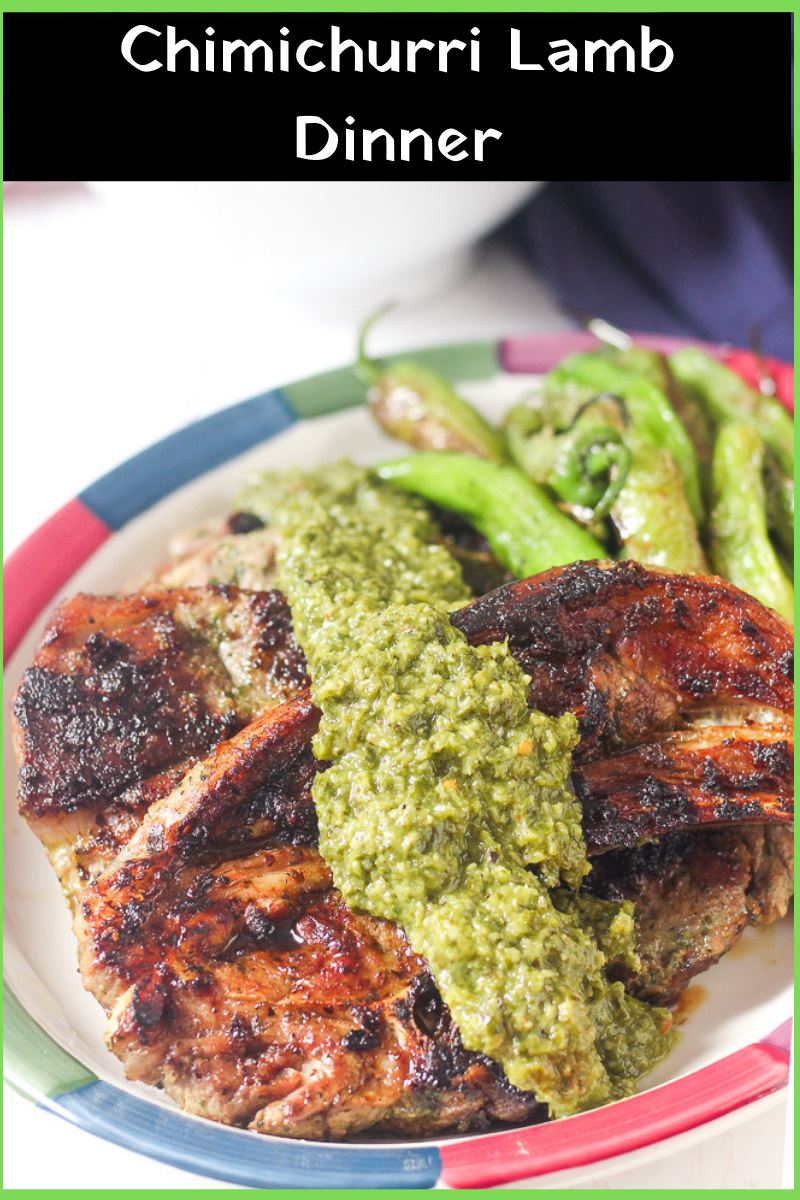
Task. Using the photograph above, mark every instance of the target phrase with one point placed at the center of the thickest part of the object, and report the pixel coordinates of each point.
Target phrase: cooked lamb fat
(125, 693)
(238, 549)
(235, 976)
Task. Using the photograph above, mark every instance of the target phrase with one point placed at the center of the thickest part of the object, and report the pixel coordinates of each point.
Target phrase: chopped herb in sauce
(448, 806)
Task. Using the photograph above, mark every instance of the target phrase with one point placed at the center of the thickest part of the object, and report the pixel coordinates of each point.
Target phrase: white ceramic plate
(734, 1048)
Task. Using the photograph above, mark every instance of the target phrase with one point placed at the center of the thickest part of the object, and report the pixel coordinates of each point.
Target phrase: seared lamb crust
(635, 652)
(237, 978)
(125, 693)
(711, 775)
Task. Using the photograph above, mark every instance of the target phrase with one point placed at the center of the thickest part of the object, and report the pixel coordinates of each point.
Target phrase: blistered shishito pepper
(695, 420)
(726, 397)
(525, 530)
(585, 464)
(419, 407)
(779, 489)
(740, 547)
(652, 517)
(653, 418)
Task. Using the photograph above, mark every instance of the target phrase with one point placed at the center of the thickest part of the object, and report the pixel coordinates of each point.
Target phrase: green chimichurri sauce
(448, 806)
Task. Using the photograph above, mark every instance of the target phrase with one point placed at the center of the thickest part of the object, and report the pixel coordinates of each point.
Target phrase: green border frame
(420, 6)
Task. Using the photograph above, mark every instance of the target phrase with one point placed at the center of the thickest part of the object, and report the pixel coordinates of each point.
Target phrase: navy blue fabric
(705, 259)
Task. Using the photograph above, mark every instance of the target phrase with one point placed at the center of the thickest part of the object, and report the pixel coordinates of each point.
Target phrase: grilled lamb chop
(125, 694)
(233, 973)
(635, 652)
(684, 693)
(237, 978)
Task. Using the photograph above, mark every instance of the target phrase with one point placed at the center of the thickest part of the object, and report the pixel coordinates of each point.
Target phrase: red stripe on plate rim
(751, 367)
(45, 561)
(663, 1112)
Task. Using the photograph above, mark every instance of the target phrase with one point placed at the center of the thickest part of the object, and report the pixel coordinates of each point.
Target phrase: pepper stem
(366, 369)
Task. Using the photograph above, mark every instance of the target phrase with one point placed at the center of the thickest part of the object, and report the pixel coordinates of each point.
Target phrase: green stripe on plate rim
(335, 390)
(33, 1064)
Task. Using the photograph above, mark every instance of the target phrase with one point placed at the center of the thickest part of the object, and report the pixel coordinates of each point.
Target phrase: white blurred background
(133, 308)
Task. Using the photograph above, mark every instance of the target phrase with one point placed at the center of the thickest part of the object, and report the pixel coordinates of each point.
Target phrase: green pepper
(726, 397)
(525, 530)
(740, 547)
(652, 516)
(417, 406)
(653, 418)
(786, 563)
(780, 504)
(690, 411)
(585, 464)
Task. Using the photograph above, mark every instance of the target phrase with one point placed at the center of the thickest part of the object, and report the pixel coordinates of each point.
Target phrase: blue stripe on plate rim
(58, 1082)
(140, 482)
(148, 477)
(239, 1156)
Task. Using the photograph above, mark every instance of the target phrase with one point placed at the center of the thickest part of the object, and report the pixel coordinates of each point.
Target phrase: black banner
(399, 95)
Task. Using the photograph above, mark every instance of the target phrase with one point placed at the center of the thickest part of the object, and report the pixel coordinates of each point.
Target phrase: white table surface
(99, 362)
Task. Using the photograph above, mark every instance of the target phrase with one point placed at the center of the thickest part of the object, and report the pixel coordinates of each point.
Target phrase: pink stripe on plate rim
(40, 567)
(536, 353)
(643, 1120)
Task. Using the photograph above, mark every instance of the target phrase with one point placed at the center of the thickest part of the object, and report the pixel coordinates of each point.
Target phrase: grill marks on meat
(682, 686)
(237, 978)
(126, 693)
(711, 775)
(635, 652)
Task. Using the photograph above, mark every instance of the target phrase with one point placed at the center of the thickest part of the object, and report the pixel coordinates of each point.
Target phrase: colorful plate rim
(35, 572)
